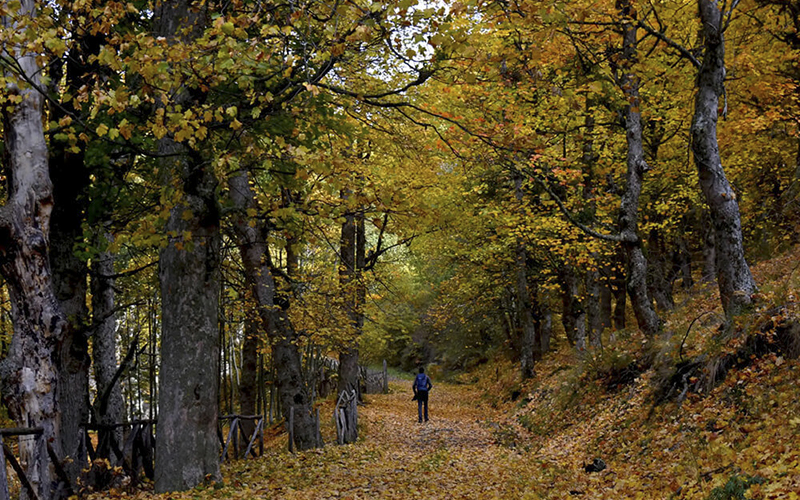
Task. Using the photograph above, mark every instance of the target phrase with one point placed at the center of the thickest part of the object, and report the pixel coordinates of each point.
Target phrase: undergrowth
(677, 414)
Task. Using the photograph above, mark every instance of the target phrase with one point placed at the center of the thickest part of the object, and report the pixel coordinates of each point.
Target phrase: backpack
(421, 382)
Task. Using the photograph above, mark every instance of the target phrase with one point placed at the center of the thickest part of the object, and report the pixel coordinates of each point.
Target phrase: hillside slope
(717, 418)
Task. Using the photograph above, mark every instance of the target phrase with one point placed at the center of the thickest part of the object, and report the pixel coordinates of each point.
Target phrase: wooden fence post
(291, 429)
(319, 434)
(3, 476)
(385, 378)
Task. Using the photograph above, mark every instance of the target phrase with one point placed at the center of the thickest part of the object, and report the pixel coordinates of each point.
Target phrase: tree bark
(606, 309)
(709, 251)
(70, 176)
(618, 289)
(29, 371)
(186, 445)
(736, 284)
(573, 315)
(348, 354)
(636, 264)
(682, 264)
(252, 244)
(524, 308)
(544, 325)
(248, 388)
(70, 182)
(592, 277)
(187, 450)
(109, 407)
(659, 281)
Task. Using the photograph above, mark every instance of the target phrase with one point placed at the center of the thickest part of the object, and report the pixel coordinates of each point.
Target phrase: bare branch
(670, 42)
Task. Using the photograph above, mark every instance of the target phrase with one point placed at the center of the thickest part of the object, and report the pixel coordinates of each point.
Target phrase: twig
(680, 349)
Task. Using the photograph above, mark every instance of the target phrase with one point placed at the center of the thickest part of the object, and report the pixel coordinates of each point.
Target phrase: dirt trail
(452, 456)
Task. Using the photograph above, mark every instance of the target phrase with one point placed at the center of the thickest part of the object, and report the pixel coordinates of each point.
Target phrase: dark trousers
(422, 400)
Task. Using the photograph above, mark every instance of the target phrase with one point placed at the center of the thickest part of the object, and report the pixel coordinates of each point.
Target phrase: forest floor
(470, 450)
(492, 436)
(454, 455)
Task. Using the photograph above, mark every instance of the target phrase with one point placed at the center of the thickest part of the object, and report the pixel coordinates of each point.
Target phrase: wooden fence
(345, 416)
(130, 445)
(7, 454)
(236, 430)
(375, 382)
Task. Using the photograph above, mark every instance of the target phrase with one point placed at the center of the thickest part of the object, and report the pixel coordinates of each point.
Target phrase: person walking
(422, 384)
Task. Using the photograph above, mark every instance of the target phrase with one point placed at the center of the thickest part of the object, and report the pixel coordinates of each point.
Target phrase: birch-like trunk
(736, 284)
(636, 264)
(29, 373)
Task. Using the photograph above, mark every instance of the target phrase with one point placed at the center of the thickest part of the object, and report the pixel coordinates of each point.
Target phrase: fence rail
(236, 430)
(130, 445)
(8, 455)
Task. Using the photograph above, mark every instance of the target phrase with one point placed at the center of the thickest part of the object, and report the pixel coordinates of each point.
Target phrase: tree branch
(671, 43)
(618, 238)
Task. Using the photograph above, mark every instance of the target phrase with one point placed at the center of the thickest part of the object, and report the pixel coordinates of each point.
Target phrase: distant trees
(501, 103)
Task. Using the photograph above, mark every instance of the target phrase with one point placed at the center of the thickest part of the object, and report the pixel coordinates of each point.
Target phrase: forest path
(454, 455)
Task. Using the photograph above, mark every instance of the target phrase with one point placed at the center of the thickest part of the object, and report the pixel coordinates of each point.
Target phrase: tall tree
(70, 176)
(636, 265)
(530, 343)
(348, 355)
(30, 382)
(187, 450)
(109, 405)
(251, 239)
(736, 284)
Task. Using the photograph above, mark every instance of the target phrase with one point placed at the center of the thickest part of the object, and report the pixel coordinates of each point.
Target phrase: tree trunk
(573, 315)
(682, 264)
(348, 354)
(109, 407)
(70, 183)
(606, 310)
(248, 388)
(187, 450)
(186, 445)
(28, 373)
(736, 284)
(709, 251)
(659, 282)
(252, 244)
(544, 325)
(618, 289)
(636, 264)
(524, 308)
(593, 311)
(592, 277)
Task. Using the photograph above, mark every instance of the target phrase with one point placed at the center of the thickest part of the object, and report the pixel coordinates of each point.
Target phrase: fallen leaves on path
(470, 450)
(454, 455)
